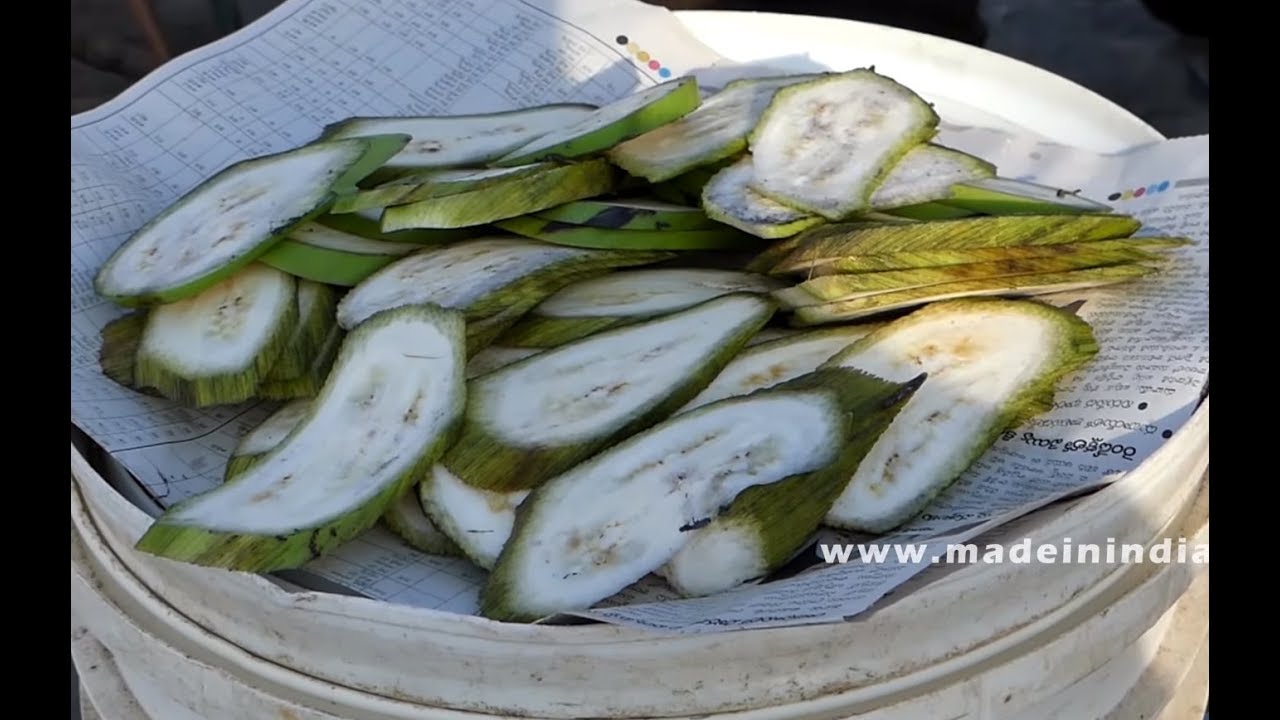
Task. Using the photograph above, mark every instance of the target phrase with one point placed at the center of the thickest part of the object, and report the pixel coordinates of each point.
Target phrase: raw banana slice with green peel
(602, 525)
(630, 214)
(539, 417)
(624, 297)
(860, 308)
(432, 184)
(322, 254)
(264, 438)
(686, 188)
(478, 521)
(1006, 196)
(410, 523)
(768, 259)
(386, 412)
(837, 288)
(777, 361)
(550, 231)
(916, 176)
(317, 304)
(1097, 253)
(309, 382)
(928, 173)
(715, 131)
(518, 194)
(493, 357)
(378, 149)
(457, 140)
(538, 332)
(216, 347)
(728, 198)
(119, 352)
(480, 277)
(875, 217)
(826, 145)
(772, 259)
(621, 120)
(831, 242)
(991, 364)
(770, 334)
(929, 211)
(484, 332)
(404, 517)
(368, 224)
(766, 525)
(232, 218)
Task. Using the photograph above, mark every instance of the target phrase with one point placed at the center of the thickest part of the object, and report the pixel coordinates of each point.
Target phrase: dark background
(1149, 56)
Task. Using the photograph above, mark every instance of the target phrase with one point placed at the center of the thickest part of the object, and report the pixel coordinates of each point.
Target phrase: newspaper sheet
(275, 84)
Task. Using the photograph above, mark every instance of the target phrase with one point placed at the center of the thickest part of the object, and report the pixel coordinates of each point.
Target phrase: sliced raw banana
(602, 525)
(1020, 286)
(484, 332)
(614, 123)
(458, 140)
(715, 131)
(119, 351)
(404, 517)
(216, 347)
(630, 214)
(264, 438)
(478, 521)
(834, 288)
(410, 523)
(368, 224)
(308, 383)
(833, 241)
(778, 360)
(324, 255)
(480, 277)
(432, 184)
(728, 198)
(826, 145)
(492, 357)
(385, 413)
(927, 173)
(991, 364)
(518, 194)
(928, 211)
(378, 150)
(623, 297)
(1006, 196)
(316, 307)
(536, 418)
(550, 231)
(232, 218)
(1098, 253)
(766, 525)
(770, 334)
(686, 188)
(768, 260)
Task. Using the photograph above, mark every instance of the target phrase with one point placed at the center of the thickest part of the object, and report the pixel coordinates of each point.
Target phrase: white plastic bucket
(957, 634)
(167, 641)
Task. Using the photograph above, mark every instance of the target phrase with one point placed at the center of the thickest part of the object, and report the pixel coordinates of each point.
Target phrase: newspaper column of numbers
(424, 32)
(466, 57)
(531, 72)
(212, 137)
(327, 34)
(386, 54)
(364, 44)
